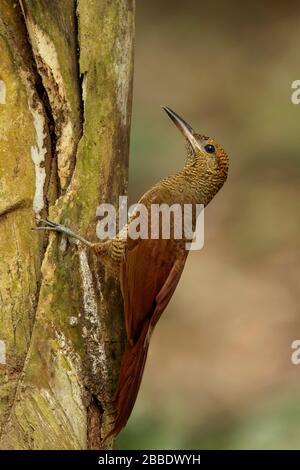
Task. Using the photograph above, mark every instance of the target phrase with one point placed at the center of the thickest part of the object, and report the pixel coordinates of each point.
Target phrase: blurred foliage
(219, 373)
(271, 426)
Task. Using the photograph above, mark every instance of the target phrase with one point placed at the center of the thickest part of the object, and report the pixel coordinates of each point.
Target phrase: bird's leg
(103, 250)
(54, 227)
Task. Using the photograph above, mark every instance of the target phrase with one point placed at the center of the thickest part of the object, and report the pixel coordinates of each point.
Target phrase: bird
(149, 269)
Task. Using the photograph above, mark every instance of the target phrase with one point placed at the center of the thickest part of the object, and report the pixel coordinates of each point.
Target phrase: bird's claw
(49, 225)
(54, 227)
(48, 222)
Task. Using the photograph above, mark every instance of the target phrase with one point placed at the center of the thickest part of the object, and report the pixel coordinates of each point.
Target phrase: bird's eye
(209, 148)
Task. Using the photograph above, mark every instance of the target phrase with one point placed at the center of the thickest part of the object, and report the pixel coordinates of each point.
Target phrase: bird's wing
(150, 273)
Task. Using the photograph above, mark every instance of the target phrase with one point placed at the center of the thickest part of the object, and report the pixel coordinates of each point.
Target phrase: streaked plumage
(149, 270)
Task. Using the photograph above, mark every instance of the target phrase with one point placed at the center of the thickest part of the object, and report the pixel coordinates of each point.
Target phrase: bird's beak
(184, 127)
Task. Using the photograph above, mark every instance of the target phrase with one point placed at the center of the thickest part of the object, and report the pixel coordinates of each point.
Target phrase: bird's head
(204, 153)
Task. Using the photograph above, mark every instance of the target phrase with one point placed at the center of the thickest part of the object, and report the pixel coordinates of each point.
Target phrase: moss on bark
(59, 308)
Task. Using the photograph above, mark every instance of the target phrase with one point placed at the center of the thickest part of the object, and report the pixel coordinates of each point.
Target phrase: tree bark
(65, 102)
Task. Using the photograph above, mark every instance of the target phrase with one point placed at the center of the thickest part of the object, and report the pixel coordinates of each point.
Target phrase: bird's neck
(193, 186)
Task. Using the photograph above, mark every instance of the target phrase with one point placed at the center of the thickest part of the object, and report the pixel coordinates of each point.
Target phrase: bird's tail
(132, 368)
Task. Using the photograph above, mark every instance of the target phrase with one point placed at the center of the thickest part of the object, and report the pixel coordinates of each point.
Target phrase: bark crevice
(77, 114)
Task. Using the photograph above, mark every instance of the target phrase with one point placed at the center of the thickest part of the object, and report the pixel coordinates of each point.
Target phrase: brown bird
(149, 269)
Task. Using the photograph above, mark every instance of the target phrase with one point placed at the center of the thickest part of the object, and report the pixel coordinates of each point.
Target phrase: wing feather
(150, 273)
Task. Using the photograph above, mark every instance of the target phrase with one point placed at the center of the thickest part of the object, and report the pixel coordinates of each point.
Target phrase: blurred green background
(219, 372)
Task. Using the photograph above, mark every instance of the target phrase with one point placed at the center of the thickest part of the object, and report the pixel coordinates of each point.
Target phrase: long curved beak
(183, 126)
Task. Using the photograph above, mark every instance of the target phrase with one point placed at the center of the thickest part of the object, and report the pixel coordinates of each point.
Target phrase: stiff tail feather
(132, 368)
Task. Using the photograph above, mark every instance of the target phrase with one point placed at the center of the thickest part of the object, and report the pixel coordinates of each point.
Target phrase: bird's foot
(54, 227)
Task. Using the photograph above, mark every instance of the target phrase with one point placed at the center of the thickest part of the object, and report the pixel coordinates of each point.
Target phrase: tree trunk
(65, 102)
